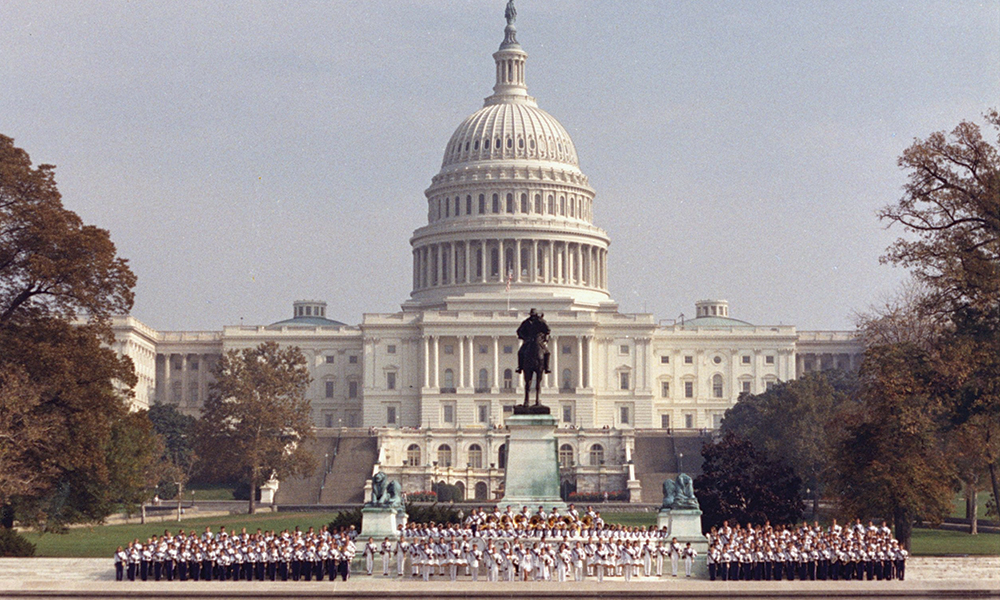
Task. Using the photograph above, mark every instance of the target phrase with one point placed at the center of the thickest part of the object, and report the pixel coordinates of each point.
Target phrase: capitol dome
(510, 211)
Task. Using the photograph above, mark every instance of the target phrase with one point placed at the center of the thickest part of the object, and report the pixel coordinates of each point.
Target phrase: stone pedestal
(685, 525)
(532, 476)
(378, 523)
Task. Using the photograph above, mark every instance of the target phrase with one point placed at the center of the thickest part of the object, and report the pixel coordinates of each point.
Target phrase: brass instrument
(587, 520)
(520, 519)
(505, 519)
(553, 520)
(535, 521)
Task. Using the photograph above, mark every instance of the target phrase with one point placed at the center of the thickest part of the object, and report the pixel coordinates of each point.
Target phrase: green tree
(257, 418)
(891, 462)
(740, 483)
(180, 461)
(796, 422)
(60, 282)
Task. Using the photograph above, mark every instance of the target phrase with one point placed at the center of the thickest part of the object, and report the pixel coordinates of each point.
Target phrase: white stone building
(509, 227)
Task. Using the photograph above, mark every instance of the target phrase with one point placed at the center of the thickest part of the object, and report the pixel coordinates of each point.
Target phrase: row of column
(193, 388)
(467, 366)
(524, 261)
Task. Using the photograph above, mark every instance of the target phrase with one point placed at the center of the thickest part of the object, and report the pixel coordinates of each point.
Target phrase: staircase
(344, 461)
(656, 457)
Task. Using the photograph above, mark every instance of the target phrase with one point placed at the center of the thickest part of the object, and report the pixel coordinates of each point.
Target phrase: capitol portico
(510, 226)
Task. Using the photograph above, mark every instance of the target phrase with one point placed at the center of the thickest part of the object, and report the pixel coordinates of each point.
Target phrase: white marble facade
(509, 228)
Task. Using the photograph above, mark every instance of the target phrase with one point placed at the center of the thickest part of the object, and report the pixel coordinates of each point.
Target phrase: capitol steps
(657, 457)
(351, 468)
(306, 490)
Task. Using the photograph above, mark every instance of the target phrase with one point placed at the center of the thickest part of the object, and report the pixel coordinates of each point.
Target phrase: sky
(247, 154)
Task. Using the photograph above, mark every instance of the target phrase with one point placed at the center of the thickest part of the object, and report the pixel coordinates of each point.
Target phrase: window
(665, 389)
(329, 389)
(328, 420)
(193, 364)
(769, 385)
(483, 349)
(449, 413)
(745, 359)
(193, 391)
(745, 387)
(664, 360)
(390, 415)
(508, 349)
(717, 386)
(524, 203)
(567, 379)
(510, 203)
(482, 200)
(689, 421)
(177, 365)
(468, 205)
(353, 359)
(475, 456)
(413, 455)
(508, 379)
(444, 455)
(390, 380)
(596, 455)
(623, 381)
(390, 349)
(329, 359)
(717, 360)
(716, 421)
(483, 413)
(449, 349)
(567, 349)
(623, 349)
(665, 421)
(769, 360)
(496, 204)
(623, 415)
(689, 389)
(484, 380)
(689, 360)
(352, 389)
(565, 456)
(567, 413)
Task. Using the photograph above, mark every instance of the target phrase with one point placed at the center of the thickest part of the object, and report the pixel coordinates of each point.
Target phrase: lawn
(101, 541)
(936, 542)
(958, 508)
(208, 491)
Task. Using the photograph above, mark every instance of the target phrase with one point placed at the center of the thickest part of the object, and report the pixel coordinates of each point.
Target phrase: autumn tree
(257, 418)
(741, 483)
(179, 459)
(60, 282)
(950, 215)
(796, 422)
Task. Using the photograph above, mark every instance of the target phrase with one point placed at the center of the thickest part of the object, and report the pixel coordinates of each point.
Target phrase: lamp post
(680, 463)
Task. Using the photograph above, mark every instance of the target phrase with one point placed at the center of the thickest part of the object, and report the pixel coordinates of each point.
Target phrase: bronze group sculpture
(679, 494)
(385, 493)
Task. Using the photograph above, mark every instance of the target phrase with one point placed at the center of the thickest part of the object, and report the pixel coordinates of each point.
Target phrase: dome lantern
(510, 60)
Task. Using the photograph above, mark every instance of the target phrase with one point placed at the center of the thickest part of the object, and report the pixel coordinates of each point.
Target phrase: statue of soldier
(528, 332)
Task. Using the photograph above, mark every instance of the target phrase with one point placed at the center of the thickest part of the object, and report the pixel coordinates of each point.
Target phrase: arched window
(524, 204)
(562, 206)
(458, 206)
(502, 457)
(444, 455)
(413, 455)
(476, 456)
(447, 207)
(468, 205)
(484, 380)
(552, 205)
(459, 490)
(482, 491)
(510, 203)
(482, 204)
(717, 386)
(449, 378)
(538, 204)
(508, 379)
(565, 456)
(596, 455)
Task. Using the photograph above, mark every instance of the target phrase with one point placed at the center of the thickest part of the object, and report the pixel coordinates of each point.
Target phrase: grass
(958, 506)
(208, 491)
(936, 542)
(101, 541)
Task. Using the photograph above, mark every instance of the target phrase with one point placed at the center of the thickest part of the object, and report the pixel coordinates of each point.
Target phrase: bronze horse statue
(533, 364)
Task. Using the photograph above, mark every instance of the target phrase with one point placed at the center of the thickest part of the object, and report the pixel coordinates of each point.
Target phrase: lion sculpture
(679, 494)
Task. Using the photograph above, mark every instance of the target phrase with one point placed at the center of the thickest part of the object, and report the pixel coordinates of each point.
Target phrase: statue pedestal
(685, 525)
(377, 523)
(532, 475)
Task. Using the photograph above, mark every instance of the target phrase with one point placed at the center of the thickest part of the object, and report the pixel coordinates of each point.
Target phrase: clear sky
(246, 154)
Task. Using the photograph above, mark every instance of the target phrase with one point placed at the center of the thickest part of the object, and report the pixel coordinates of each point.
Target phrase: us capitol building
(425, 391)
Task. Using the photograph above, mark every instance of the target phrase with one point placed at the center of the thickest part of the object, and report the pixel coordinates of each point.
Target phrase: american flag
(510, 278)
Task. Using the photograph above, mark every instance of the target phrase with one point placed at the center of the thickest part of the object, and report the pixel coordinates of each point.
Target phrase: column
(534, 261)
(496, 364)
(468, 263)
(185, 397)
(461, 362)
(472, 361)
(427, 362)
(167, 364)
(554, 361)
(590, 362)
(579, 362)
(517, 261)
(437, 363)
(547, 263)
(579, 264)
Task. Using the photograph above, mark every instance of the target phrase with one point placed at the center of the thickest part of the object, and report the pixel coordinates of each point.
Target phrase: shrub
(437, 513)
(14, 544)
(615, 496)
(424, 496)
(345, 519)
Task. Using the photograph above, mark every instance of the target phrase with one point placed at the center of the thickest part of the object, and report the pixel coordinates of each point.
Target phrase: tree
(24, 453)
(950, 211)
(257, 418)
(60, 282)
(795, 422)
(891, 462)
(177, 431)
(740, 483)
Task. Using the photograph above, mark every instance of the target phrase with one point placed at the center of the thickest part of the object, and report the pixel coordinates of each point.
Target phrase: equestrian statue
(533, 355)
